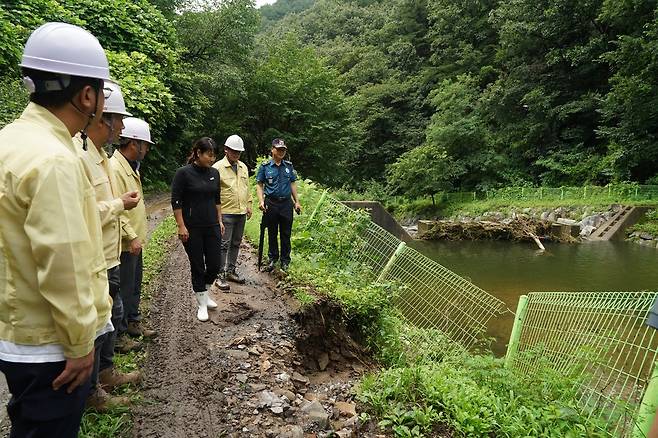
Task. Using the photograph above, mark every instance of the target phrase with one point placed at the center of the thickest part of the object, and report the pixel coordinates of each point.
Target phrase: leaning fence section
(601, 338)
(432, 297)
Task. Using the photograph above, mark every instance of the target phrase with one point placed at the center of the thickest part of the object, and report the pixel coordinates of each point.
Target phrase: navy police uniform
(279, 207)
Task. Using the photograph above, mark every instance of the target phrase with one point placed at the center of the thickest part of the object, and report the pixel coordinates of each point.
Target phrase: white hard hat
(136, 129)
(115, 103)
(65, 49)
(235, 142)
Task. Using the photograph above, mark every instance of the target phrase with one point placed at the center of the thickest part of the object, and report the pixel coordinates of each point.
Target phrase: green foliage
(281, 8)
(320, 264)
(114, 423)
(424, 171)
(157, 249)
(292, 94)
(476, 396)
(13, 99)
(648, 224)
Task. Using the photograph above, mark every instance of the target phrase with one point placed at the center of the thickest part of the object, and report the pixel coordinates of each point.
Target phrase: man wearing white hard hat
(54, 299)
(110, 205)
(135, 140)
(236, 207)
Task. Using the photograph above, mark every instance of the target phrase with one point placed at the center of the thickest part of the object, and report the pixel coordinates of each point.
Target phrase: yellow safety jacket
(133, 222)
(234, 188)
(53, 281)
(99, 173)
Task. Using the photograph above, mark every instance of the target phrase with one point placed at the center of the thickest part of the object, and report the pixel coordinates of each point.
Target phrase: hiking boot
(124, 344)
(221, 283)
(269, 267)
(110, 378)
(284, 267)
(136, 329)
(101, 401)
(235, 277)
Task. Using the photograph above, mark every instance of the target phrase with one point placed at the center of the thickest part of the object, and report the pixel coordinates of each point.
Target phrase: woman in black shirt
(197, 209)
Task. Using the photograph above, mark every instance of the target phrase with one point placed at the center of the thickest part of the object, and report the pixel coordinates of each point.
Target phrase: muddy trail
(260, 367)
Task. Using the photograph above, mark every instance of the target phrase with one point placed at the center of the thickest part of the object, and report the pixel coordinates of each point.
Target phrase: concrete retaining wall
(381, 217)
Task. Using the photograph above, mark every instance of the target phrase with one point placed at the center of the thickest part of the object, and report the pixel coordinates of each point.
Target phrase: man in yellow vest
(54, 299)
(110, 206)
(135, 141)
(236, 207)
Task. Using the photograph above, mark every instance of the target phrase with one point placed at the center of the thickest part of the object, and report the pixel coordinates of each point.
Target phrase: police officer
(277, 196)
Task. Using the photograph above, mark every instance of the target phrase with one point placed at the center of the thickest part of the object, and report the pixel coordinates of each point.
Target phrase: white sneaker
(211, 303)
(202, 300)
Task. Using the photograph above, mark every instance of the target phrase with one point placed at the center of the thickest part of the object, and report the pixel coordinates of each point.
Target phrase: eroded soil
(260, 367)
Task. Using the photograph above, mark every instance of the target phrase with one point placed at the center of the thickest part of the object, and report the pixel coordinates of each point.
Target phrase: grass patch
(475, 396)
(117, 422)
(648, 224)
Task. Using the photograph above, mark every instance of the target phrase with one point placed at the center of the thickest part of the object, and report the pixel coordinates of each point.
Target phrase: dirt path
(250, 371)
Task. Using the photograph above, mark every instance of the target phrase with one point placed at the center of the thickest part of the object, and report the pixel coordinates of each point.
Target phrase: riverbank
(645, 232)
(558, 224)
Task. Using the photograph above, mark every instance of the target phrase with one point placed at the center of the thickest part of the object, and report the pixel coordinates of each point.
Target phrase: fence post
(317, 207)
(585, 193)
(541, 192)
(513, 346)
(648, 406)
(561, 193)
(390, 262)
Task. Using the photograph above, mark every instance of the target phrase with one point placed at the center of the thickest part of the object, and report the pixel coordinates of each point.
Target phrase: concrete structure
(615, 227)
(381, 217)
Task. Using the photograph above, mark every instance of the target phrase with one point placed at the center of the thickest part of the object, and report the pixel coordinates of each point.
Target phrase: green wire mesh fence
(598, 338)
(609, 193)
(431, 296)
(602, 338)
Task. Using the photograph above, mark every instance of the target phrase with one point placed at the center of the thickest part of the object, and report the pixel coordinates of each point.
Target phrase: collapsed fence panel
(431, 296)
(599, 337)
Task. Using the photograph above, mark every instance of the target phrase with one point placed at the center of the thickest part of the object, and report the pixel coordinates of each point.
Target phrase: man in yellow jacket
(110, 206)
(236, 207)
(54, 299)
(135, 141)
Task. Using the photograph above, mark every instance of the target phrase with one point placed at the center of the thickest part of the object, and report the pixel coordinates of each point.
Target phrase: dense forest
(410, 96)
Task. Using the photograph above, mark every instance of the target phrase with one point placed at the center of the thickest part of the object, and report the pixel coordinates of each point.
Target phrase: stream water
(508, 270)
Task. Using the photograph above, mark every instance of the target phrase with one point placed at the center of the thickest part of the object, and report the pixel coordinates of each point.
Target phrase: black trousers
(35, 409)
(278, 218)
(203, 248)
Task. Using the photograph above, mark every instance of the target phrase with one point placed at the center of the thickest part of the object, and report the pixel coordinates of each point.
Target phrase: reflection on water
(508, 270)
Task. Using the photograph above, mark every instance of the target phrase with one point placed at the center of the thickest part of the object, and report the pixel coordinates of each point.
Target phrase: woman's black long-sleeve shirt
(195, 190)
